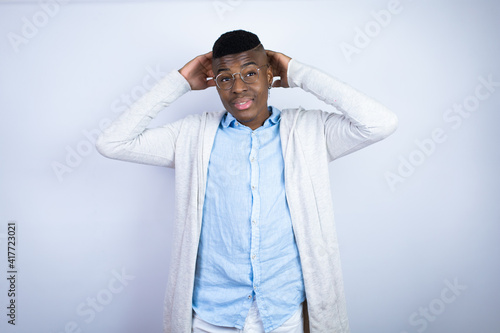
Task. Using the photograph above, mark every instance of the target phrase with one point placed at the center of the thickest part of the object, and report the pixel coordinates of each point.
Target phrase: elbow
(112, 148)
(386, 128)
(391, 125)
(104, 146)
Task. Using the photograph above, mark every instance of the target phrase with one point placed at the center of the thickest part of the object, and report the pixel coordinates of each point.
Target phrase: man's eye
(225, 78)
(251, 73)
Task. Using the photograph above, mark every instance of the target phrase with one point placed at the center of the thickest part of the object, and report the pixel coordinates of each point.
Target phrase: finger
(207, 68)
(276, 70)
(210, 72)
(211, 83)
(270, 56)
(206, 58)
(277, 83)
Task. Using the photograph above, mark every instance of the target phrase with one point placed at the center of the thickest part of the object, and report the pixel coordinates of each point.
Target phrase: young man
(255, 245)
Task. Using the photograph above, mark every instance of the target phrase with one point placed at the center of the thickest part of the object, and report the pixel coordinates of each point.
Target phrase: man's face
(246, 102)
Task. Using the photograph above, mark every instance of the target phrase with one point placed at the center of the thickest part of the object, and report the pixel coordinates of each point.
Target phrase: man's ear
(270, 76)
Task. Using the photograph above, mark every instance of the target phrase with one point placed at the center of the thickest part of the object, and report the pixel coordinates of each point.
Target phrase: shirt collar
(229, 120)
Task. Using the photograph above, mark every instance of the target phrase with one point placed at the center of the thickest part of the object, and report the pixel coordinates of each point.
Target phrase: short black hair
(233, 42)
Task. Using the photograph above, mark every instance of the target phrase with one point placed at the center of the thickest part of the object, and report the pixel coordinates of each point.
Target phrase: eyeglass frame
(241, 77)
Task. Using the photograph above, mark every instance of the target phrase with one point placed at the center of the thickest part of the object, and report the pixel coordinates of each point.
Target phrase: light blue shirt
(247, 247)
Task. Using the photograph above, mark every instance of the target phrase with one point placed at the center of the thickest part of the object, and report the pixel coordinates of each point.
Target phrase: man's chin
(242, 115)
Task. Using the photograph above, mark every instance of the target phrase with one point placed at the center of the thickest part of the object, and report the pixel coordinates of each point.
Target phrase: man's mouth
(242, 103)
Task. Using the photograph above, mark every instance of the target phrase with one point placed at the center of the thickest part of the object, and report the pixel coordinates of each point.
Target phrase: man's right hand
(198, 70)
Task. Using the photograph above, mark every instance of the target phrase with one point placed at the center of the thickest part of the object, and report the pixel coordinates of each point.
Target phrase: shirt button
(253, 222)
(249, 296)
(253, 187)
(253, 256)
(253, 159)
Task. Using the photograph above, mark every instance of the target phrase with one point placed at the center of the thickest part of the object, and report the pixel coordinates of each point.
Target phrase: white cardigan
(310, 139)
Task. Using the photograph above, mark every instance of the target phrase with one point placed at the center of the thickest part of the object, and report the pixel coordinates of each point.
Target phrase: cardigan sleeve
(361, 120)
(128, 139)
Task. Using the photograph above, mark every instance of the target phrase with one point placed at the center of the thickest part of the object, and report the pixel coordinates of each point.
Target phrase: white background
(97, 218)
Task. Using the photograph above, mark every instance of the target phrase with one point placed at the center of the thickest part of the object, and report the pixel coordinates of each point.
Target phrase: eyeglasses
(249, 74)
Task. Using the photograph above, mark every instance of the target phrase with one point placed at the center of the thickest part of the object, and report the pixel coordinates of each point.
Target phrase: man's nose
(239, 84)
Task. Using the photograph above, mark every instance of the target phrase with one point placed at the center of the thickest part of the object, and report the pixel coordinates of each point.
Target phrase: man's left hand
(279, 64)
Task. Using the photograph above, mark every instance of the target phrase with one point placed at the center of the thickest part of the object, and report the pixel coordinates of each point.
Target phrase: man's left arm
(362, 120)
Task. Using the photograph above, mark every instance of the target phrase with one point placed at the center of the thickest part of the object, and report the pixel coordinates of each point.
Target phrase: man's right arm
(128, 137)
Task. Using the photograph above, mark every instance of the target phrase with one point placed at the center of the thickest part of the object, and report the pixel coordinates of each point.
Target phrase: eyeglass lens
(248, 74)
